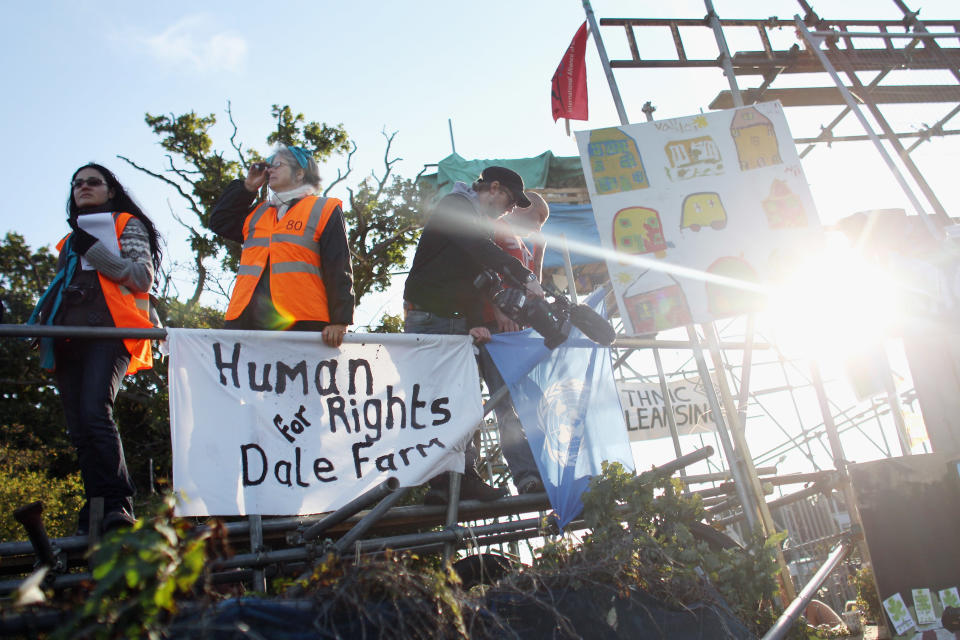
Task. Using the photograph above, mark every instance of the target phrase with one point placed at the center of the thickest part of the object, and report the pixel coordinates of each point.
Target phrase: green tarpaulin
(543, 171)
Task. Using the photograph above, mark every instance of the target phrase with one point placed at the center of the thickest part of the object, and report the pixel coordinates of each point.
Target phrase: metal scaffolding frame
(907, 45)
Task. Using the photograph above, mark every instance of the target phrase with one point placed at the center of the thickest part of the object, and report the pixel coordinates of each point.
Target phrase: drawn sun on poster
(561, 417)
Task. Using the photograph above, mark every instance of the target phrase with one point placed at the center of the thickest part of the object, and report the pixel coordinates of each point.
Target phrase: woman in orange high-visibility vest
(106, 268)
(295, 271)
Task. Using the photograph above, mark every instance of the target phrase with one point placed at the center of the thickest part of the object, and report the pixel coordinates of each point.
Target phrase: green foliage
(188, 137)
(390, 323)
(25, 478)
(382, 212)
(199, 172)
(868, 601)
(398, 596)
(29, 405)
(139, 573)
(319, 139)
(142, 410)
(383, 222)
(642, 534)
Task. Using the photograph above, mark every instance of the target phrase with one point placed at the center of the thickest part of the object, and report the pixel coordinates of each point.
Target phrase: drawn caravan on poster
(722, 193)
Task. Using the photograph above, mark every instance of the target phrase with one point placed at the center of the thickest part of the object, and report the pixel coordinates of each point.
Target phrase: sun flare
(835, 304)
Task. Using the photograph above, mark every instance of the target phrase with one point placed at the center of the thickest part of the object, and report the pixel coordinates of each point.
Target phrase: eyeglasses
(90, 182)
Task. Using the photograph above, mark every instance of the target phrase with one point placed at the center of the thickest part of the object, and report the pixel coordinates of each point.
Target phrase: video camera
(552, 320)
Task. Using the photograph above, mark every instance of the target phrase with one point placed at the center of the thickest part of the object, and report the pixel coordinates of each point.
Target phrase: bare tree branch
(342, 176)
(183, 173)
(198, 261)
(177, 218)
(186, 196)
(387, 162)
(201, 283)
(217, 287)
(233, 136)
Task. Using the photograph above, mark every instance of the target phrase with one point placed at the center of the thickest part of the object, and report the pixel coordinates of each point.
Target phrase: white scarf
(282, 199)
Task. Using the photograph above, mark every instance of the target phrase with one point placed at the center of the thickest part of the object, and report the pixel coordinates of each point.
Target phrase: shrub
(24, 478)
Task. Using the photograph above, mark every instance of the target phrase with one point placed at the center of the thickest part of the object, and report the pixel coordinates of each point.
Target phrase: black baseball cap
(509, 179)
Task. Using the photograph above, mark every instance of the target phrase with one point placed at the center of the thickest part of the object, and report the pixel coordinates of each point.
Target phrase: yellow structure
(755, 138)
(615, 162)
(703, 210)
(638, 230)
(693, 158)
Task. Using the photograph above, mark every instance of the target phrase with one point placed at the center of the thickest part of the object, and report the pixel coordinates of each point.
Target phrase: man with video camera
(455, 248)
(510, 231)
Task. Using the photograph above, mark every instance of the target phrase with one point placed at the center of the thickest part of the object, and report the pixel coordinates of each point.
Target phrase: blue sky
(79, 77)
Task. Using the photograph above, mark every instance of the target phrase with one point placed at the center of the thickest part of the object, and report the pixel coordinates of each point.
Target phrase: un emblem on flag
(561, 418)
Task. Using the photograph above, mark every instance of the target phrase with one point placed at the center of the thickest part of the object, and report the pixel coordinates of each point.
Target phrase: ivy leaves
(139, 573)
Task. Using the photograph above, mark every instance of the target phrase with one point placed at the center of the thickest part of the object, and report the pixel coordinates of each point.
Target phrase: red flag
(568, 91)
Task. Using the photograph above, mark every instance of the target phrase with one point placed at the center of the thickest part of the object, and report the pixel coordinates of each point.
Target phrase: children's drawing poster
(694, 205)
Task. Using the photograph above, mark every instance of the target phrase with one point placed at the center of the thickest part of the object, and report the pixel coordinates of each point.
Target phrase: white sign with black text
(645, 411)
(277, 423)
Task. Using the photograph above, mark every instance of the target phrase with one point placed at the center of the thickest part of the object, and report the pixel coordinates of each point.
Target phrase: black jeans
(88, 374)
(513, 442)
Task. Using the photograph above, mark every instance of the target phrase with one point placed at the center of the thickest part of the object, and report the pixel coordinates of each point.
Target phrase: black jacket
(226, 221)
(456, 245)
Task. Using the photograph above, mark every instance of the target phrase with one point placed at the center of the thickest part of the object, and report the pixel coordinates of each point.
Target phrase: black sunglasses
(90, 182)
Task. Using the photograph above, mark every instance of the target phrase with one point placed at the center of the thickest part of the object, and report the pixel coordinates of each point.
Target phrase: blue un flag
(568, 404)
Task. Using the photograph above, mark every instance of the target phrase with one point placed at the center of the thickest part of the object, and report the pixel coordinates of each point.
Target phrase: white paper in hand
(100, 226)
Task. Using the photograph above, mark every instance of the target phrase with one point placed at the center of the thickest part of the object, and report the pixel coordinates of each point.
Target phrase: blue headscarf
(301, 155)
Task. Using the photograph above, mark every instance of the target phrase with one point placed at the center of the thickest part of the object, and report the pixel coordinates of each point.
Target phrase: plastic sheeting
(544, 170)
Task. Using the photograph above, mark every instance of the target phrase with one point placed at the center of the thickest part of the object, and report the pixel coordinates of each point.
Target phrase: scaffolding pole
(605, 61)
(813, 43)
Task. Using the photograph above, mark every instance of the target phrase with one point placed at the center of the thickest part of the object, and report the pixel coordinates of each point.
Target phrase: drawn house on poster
(756, 139)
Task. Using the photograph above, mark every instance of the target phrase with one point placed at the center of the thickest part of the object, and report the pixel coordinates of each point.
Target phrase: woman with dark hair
(103, 279)
(295, 271)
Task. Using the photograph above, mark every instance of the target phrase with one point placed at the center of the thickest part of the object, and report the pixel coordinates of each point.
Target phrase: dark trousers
(88, 374)
(513, 442)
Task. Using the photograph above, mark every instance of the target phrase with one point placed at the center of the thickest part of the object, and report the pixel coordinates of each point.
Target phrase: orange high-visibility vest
(129, 309)
(291, 245)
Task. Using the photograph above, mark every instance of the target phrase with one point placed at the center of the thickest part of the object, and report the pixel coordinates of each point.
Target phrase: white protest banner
(695, 202)
(277, 423)
(645, 413)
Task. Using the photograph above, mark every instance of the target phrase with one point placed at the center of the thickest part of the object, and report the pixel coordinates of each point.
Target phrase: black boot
(472, 487)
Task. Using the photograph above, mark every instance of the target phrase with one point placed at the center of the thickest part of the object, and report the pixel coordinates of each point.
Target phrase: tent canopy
(543, 171)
